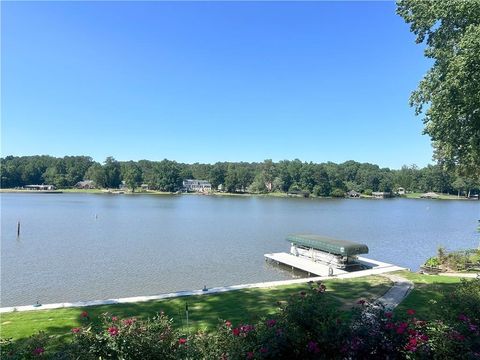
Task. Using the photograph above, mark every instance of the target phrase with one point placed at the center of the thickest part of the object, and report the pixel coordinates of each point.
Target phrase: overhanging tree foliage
(449, 94)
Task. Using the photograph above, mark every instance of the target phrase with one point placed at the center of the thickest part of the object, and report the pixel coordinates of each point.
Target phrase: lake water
(84, 247)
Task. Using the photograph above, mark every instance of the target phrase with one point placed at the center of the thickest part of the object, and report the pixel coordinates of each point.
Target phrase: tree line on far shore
(324, 179)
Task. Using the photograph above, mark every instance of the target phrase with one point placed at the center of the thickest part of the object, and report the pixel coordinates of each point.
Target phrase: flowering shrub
(127, 339)
(308, 326)
(33, 348)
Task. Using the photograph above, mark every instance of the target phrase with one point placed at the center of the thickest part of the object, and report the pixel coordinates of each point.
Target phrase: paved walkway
(399, 291)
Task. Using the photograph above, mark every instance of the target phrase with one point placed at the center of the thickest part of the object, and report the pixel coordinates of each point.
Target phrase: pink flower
(313, 347)
(455, 335)
(114, 318)
(246, 328)
(411, 312)
(228, 324)
(388, 315)
(423, 337)
(128, 322)
(113, 330)
(400, 330)
(264, 350)
(463, 318)
(76, 330)
(182, 341)
(361, 302)
(38, 351)
(250, 355)
(389, 325)
(271, 322)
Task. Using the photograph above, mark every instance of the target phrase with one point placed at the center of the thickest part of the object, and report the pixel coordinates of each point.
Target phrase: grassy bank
(204, 311)
(440, 196)
(427, 292)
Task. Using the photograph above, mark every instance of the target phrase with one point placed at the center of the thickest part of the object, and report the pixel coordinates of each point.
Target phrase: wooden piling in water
(18, 228)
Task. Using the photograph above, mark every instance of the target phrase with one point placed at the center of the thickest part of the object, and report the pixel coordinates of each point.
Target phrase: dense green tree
(449, 94)
(166, 176)
(217, 174)
(269, 173)
(55, 174)
(131, 174)
(96, 173)
(112, 173)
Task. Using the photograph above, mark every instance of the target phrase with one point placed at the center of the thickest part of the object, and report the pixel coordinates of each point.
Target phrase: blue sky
(211, 81)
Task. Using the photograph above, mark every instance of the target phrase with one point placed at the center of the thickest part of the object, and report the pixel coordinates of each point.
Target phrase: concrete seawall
(386, 268)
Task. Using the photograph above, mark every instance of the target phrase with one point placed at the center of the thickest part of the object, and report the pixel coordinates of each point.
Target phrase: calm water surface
(145, 244)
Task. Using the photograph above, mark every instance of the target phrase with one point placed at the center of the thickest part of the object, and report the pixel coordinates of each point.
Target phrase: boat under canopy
(328, 245)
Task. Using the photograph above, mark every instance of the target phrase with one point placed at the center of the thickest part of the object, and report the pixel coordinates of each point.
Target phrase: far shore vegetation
(283, 178)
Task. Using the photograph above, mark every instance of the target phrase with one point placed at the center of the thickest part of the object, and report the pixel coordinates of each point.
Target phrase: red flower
(228, 324)
(113, 330)
(361, 302)
(38, 351)
(236, 332)
(76, 330)
(250, 355)
(400, 330)
(411, 312)
(388, 315)
(182, 341)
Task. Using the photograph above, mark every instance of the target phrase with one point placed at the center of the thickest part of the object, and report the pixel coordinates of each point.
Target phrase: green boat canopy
(332, 246)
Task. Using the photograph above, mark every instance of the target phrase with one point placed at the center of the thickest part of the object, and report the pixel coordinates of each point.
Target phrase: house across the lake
(196, 185)
(401, 191)
(353, 194)
(381, 194)
(39, 187)
(85, 184)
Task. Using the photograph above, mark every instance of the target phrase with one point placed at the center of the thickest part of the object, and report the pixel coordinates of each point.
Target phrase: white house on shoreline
(196, 185)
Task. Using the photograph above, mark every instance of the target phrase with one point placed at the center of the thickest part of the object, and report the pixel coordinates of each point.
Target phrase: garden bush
(309, 325)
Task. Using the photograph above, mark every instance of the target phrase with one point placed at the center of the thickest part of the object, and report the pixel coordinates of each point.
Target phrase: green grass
(427, 292)
(204, 311)
(440, 196)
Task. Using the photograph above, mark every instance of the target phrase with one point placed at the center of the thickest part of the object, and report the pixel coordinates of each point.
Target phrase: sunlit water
(83, 247)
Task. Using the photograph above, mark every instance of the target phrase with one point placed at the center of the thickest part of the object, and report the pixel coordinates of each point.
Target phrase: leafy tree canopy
(449, 94)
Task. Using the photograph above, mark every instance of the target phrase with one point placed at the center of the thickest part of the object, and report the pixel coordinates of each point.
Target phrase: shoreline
(411, 196)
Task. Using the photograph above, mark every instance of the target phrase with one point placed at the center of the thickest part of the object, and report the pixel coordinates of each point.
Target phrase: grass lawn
(440, 196)
(428, 290)
(204, 311)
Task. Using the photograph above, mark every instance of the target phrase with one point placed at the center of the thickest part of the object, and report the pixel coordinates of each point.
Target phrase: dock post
(18, 229)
